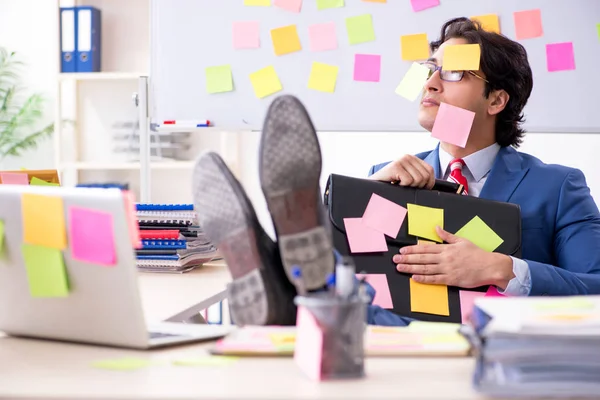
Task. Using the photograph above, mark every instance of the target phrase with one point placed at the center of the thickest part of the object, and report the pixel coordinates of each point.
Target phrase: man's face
(467, 93)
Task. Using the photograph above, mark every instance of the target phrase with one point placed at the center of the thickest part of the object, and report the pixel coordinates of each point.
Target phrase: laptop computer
(102, 305)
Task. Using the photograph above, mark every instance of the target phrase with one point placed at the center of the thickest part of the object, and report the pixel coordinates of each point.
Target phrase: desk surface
(44, 369)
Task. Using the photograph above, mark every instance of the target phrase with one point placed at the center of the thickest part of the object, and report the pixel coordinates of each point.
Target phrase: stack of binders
(536, 346)
(172, 240)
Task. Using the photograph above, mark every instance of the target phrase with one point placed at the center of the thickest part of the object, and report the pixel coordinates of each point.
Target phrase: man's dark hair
(505, 65)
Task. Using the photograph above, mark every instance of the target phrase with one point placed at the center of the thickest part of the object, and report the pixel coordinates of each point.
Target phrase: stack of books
(536, 346)
(172, 240)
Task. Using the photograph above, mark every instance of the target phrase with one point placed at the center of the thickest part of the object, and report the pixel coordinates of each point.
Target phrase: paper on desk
(92, 237)
(308, 351)
(14, 178)
(43, 221)
(384, 215)
(35, 181)
(383, 297)
(479, 233)
(489, 22)
(434, 327)
(265, 82)
(258, 3)
(322, 37)
(462, 57)
(123, 364)
(367, 67)
(420, 5)
(207, 361)
(46, 272)
(360, 29)
(246, 35)
(423, 220)
(453, 124)
(285, 40)
(1, 238)
(429, 299)
(218, 79)
(467, 301)
(412, 84)
(289, 5)
(323, 77)
(528, 24)
(325, 4)
(560, 57)
(363, 239)
(414, 47)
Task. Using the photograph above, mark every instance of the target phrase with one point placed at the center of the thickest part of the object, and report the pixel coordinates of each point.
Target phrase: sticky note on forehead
(462, 57)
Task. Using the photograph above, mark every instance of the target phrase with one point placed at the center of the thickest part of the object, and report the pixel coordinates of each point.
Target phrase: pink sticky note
(453, 125)
(322, 37)
(132, 222)
(308, 349)
(14, 178)
(528, 24)
(467, 301)
(290, 5)
(420, 5)
(560, 56)
(246, 35)
(383, 297)
(493, 292)
(363, 239)
(91, 236)
(367, 67)
(384, 215)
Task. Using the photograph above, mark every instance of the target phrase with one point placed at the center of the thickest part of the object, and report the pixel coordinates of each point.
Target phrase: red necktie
(456, 174)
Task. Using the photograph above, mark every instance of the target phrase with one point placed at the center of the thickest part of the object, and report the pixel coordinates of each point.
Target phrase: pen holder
(330, 337)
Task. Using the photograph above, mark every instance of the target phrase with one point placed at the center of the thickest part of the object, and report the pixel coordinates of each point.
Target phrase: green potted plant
(21, 116)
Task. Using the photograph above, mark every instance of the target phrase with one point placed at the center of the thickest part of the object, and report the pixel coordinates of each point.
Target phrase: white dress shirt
(476, 171)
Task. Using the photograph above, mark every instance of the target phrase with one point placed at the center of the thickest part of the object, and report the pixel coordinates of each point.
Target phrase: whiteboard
(189, 35)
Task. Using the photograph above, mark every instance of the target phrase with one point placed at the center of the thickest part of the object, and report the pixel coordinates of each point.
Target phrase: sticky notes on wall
(367, 67)
(598, 29)
(289, 5)
(429, 299)
(480, 234)
(323, 77)
(46, 273)
(14, 178)
(322, 37)
(218, 79)
(528, 24)
(453, 124)
(462, 57)
(375, 1)
(39, 182)
(246, 35)
(467, 302)
(91, 235)
(257, 3)
(560, 57)
(265, 82)
(422, 221)
(413, 82)
(43, 221)
(414, 47)
(285, 40)
(384, 215)
(2, 232)
(360, 29)
(489, 22)
(420, 5)
(325, 4)
(363, 239)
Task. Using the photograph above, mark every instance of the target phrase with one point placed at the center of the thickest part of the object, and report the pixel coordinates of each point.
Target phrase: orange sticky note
(414, 47)
(462, 57)
(429, 299)
(528, 24)
(43, 221)
(489, 22)
(285, 40)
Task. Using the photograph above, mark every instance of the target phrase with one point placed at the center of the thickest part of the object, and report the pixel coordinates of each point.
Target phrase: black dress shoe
(260, 293)
(290, 169)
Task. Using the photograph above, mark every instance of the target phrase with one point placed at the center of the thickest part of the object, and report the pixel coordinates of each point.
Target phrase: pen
(298, 282)
(331, 284)
(344, 277)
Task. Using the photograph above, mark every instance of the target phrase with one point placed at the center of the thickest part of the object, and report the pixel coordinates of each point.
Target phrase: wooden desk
(44, 369)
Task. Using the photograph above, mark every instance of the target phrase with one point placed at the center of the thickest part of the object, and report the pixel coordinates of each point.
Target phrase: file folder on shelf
(68, 39)
(89, 32)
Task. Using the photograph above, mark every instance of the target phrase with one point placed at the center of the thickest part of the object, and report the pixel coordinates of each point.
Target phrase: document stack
(172, 240)
(536, 347)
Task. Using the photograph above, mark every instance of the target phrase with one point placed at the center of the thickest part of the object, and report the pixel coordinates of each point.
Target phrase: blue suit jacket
(560, 221)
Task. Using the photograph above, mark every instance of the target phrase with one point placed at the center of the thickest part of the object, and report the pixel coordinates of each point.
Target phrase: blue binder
(89, 39)
(68, 39)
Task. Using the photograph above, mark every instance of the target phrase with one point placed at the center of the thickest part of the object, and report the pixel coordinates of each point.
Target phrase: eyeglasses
(449, 76)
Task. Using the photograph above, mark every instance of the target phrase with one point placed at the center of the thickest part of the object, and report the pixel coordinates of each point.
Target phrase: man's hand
(458, 263)
(408, 171)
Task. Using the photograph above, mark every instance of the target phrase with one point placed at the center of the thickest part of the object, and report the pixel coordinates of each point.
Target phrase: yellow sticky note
(423, 220)
(39, 182)
(211, 361)
(478, 232)
(257, 3)
(462, 57)
(218, 79)
(46, 271)
(489, 22)
(1, 238)
(360, 29)
(265, 82)
(43, 221)
(122, 364)
(323, 77)
(280, 339)
(429, 299)
(414, 47)
(413, 82)
(285, 40)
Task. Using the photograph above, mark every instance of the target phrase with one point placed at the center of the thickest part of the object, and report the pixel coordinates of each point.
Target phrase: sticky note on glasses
(414, 47)
(462, 57)
(412, 84)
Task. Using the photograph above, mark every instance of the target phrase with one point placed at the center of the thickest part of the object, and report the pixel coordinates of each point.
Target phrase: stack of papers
(537, 346)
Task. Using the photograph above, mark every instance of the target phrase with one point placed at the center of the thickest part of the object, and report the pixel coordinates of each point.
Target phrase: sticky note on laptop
(46, 272)
(363, 239)
(43, 221)
(379, 282)
(422, 221)
(413, 82)
(479, 233)
(384, 215)
(429, 299)
(462, 57)
(92, 237)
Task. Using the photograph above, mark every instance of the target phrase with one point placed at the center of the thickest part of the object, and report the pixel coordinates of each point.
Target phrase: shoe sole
(290, 169)
(227, 217)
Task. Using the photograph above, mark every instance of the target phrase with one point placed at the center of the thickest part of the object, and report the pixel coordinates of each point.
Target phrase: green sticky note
(423, 220)
(481, 234)
(413, 82)
(122, 364)
(212, 361)
(598, 28)
(46, 271)
(324, 4)
(218, 79)
(1, 238)
(39, 182)
(360, 29)
(323, 77)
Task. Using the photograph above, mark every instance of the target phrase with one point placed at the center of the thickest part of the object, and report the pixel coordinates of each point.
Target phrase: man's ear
(498, 101)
